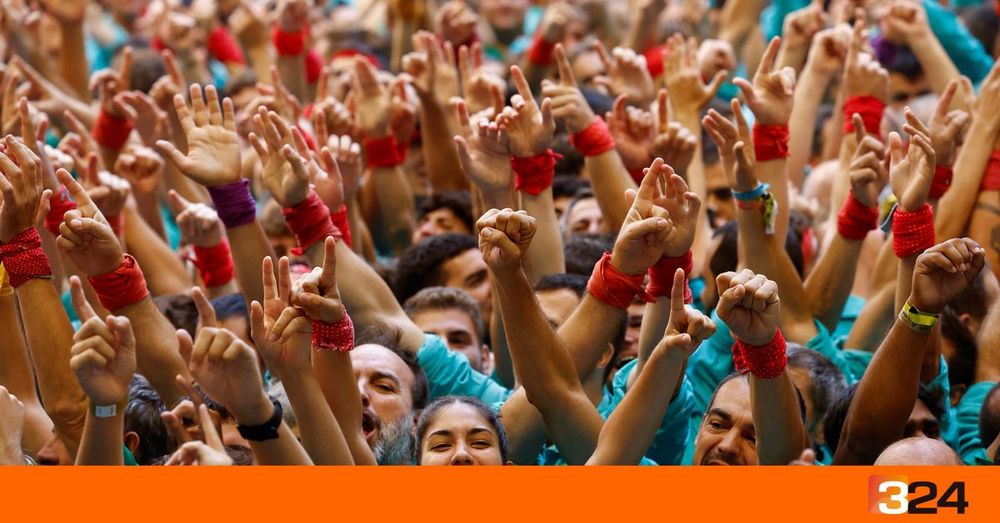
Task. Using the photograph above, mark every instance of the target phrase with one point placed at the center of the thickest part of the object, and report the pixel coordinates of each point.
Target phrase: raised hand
(483, 151)
(646, 226)
(749, 306)
(316, 293)
(211, 452)
(372, 101)
(688, 92)
(504, 237)
(867, 171)
(293, 15)
(213, 156)
(633, 131)
(403, 112)
(141, 167)
(735, 146)
(904, 21)
(863, 76)
(21, 186)
(287, 159)
(457, 22)
(682, 207)
(199, 224)
(110, 83)
(147, 118)
(948, 128)
(674, 142)
(279, 330)
(85, 235)
(11, 428)
(625, 72)
(109, 192)
(529, 127)
(226, 369)
(432, 68)
(686, 327)
(482, 90)
(829, 50)
(568, 104)
(801, 25)
(943, 272)
(772, 93)
(103, 352)
(911, 173)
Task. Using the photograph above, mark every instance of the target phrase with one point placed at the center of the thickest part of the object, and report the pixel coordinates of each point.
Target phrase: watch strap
(265, 431)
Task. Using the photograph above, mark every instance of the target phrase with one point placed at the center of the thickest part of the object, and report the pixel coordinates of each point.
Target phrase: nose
(363, 390)
(730, 445)
(461, 456)
(426, 230)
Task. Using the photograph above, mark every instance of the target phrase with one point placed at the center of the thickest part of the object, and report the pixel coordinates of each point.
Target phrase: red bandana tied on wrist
(764, 361)
(533, 174)
(912, 232)
(855, 220)
(340, 221)
(110, 131)
(613, 288)
(310, 221)
(333, 336)
(121, 287)
(942, 181)
(24, 259)
(991, 178)
(288, 44)
(215, 264)
(234, 203)
(870, 109)
(382, 152)
(661, 276)
(770, 142)
(540, 52)
(60, 204)
(595, 140)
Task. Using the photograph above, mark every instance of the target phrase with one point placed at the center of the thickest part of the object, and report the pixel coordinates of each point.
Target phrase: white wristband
(105, 411)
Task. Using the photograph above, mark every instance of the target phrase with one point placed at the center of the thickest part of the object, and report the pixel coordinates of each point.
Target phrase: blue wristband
(757, 192)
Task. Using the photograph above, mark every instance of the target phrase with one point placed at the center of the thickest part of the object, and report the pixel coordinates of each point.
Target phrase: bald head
(918, 451)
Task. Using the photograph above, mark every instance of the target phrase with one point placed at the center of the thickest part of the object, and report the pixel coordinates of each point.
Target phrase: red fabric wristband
(333, 336)
(314, 66)
(595, 140)
(991, 178)
(912, 232)
(24, 258)
(855, 220)
(870, 109)
(60, 204)
(310, 221)
(215, 264)
(288, 44)
(540, 52)
(942, 181)
(382, 152)
(110, 131)
(770, 142)
(121, 287)
(339, 220)
(763, 361)
(613, 288)
(533, 174)
(223, 47)
(661, 276)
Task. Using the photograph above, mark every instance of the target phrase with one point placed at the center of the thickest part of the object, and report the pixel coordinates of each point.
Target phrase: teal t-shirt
(969, 445)
(450, 374)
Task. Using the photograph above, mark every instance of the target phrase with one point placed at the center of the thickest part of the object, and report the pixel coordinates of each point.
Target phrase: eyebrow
(720, 413)
(383, 374)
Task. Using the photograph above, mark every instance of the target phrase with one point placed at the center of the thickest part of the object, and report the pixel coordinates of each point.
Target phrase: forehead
(465, 263)
(733, 398)
(459, 418)
(557, 304)
(440, 214)
(584, 209)
(443, 319)
(371, 359)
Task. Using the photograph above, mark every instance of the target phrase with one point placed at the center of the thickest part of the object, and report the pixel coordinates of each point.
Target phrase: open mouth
(369, 425)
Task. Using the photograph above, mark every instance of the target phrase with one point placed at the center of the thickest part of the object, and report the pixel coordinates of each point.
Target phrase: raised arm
(906, 22)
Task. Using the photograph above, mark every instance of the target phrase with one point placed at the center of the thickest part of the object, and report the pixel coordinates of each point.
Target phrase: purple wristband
(234, 203)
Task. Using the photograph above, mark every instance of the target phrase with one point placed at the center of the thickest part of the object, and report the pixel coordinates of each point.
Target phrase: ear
(131, 440)
(606, 356)
(970, 323)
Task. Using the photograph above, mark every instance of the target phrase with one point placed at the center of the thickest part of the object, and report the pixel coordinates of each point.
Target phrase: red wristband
(770, 142)
(855, 219)
(382, 152)
(310, 221)
(24, 258)
(661, 276)
(121, 287)
(763, 361)
(117, 223)
(534, 174)
(110, 131)
(340, 221)
(333, 336)
(613, 288)
(991, 178)
(942, 181)
(595, 140)
(215, 264)
(223, 47)
(288, 44)
(912, 232)
(540, 52)
(60, 204)
(870, 109)
(314, 66)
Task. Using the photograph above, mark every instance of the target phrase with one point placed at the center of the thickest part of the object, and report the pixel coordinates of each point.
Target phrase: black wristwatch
(265, 431)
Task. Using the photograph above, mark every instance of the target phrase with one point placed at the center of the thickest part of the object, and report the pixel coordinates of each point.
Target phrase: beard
(395, 443)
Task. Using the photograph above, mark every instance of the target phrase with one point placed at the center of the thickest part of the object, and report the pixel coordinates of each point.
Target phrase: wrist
(111, 410)
(919, 316)
(255, 412)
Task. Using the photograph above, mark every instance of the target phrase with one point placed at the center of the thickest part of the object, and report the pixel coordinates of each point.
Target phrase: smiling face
(459, 435)
(386, 387)
(727, 435)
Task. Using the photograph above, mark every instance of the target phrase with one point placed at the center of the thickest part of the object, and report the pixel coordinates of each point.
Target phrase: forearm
(73, 60)
(781, 436)
(808, 97)
(654, 324)
(17, 375)
(162, 268)
(984, 227)
(874, 321)
(904, 280)
(588, 331)
(157, 354)
(546, 253)
(148, 207)
(318, 429)
(829, 284)
(336, 380)
(955, 207)
(260, 60)
(502, 363)
(932, 57)
(393, 197)
(609, 178)
(292, 72)
(249, 246)
(440, 155)
(773, 172)
(102, 442)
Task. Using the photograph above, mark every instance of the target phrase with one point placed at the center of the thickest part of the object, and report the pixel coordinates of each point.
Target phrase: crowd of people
(489, 232)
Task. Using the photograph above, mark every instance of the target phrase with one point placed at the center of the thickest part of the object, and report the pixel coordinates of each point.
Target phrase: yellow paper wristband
(5, 288)
(916, 319)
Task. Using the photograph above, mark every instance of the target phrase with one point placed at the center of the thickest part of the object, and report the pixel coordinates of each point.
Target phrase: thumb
(636, 230)
(177, 202)
(728, 301)
(206, 313)
(895, 148)
(257, 328)
(122, 328)
(498, 239)
(716, 84)
(859, 127)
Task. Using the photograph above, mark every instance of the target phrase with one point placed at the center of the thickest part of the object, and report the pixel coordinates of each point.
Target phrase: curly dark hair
(419, 266)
